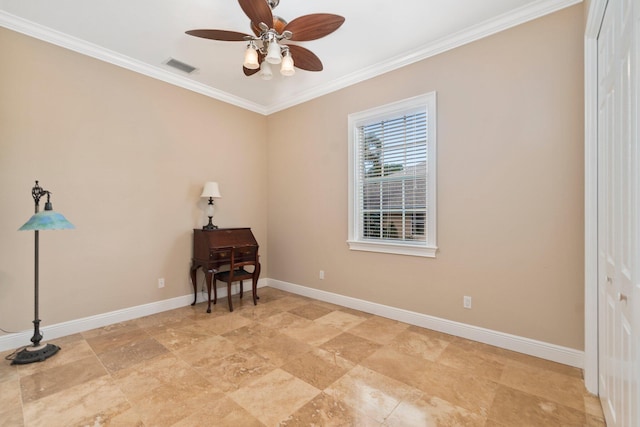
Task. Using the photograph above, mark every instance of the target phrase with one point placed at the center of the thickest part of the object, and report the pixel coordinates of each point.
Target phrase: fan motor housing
(278, 25)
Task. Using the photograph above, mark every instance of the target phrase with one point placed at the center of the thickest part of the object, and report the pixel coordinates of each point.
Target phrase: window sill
(393, 248)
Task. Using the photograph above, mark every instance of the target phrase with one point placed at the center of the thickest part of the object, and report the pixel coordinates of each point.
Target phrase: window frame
(356, 241)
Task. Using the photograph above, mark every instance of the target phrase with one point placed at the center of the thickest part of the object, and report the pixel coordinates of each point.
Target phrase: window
(392, 178)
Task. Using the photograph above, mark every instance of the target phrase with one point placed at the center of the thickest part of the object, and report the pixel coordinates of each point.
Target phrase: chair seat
(238, 274)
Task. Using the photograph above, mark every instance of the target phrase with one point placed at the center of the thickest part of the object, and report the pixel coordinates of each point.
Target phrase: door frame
(595, 15)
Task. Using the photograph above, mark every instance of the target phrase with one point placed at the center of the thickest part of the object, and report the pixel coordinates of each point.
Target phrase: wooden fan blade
(249, 72)
(258, 11)
(222, 35)
(304, 58)
(315, 26)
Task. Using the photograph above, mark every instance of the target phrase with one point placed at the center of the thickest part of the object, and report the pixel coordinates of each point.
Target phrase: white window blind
(393, 184)
(392, 178)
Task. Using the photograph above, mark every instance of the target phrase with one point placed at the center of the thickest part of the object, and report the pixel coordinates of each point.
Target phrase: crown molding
(83, 47)
(500, 23)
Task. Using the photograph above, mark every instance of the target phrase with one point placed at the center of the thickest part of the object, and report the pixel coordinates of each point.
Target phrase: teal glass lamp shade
(47, 220)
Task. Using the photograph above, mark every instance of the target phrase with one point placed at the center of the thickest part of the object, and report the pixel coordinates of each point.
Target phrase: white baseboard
(555, 353)
(49, 332)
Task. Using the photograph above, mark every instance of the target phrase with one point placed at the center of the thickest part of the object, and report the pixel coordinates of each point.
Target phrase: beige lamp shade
(211, 189)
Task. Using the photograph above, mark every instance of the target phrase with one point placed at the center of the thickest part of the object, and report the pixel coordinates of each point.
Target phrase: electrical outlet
(161, 282)
(321, 274)
(466, 302)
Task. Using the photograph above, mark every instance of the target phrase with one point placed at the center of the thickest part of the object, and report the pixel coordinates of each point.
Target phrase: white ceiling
(377, 36)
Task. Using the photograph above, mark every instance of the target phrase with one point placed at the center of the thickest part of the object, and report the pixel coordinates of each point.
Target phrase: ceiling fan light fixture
(268, 30)
(251, 57)
(265, 71)
(287, 64)
(273, 53)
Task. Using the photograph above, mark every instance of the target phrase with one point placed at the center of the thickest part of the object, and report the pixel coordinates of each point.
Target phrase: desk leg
(194, 269)
(208, 274)
(256, 275)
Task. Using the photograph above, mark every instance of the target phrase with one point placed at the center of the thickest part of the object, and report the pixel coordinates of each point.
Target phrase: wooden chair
(241, 257)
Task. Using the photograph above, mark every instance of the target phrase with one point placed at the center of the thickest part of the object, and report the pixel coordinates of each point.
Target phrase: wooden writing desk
(212, 250)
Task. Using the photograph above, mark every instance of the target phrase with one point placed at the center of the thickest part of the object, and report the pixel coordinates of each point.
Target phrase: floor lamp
(46, 220)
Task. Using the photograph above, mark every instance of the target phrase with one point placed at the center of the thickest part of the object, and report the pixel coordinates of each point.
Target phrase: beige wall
(125, 157)
(510, 187)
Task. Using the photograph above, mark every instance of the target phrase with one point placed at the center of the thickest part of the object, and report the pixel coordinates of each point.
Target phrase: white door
(618, 228)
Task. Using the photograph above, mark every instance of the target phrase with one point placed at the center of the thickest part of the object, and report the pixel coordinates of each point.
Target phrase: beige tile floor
(289, 361)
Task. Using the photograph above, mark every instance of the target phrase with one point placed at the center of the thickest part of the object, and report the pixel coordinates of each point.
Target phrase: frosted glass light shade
(265, 71)
(251, 58)
(287, 66)
(211, 189)
(273, 53)
(47, 220)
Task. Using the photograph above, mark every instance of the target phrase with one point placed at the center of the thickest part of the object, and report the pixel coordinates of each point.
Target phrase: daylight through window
(392, 178)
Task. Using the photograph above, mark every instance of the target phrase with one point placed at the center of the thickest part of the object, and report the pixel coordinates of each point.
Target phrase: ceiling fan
(271, 34)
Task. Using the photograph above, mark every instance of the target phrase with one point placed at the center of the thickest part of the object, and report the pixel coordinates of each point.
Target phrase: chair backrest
(243, 255)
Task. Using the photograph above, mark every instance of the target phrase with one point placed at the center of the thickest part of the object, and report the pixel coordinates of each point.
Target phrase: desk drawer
(244, 253)
(220, 255)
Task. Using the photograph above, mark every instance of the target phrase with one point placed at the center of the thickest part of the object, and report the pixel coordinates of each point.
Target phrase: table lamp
(210, 190)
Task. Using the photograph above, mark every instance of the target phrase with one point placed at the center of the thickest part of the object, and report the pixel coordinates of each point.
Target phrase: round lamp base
(35, 354)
